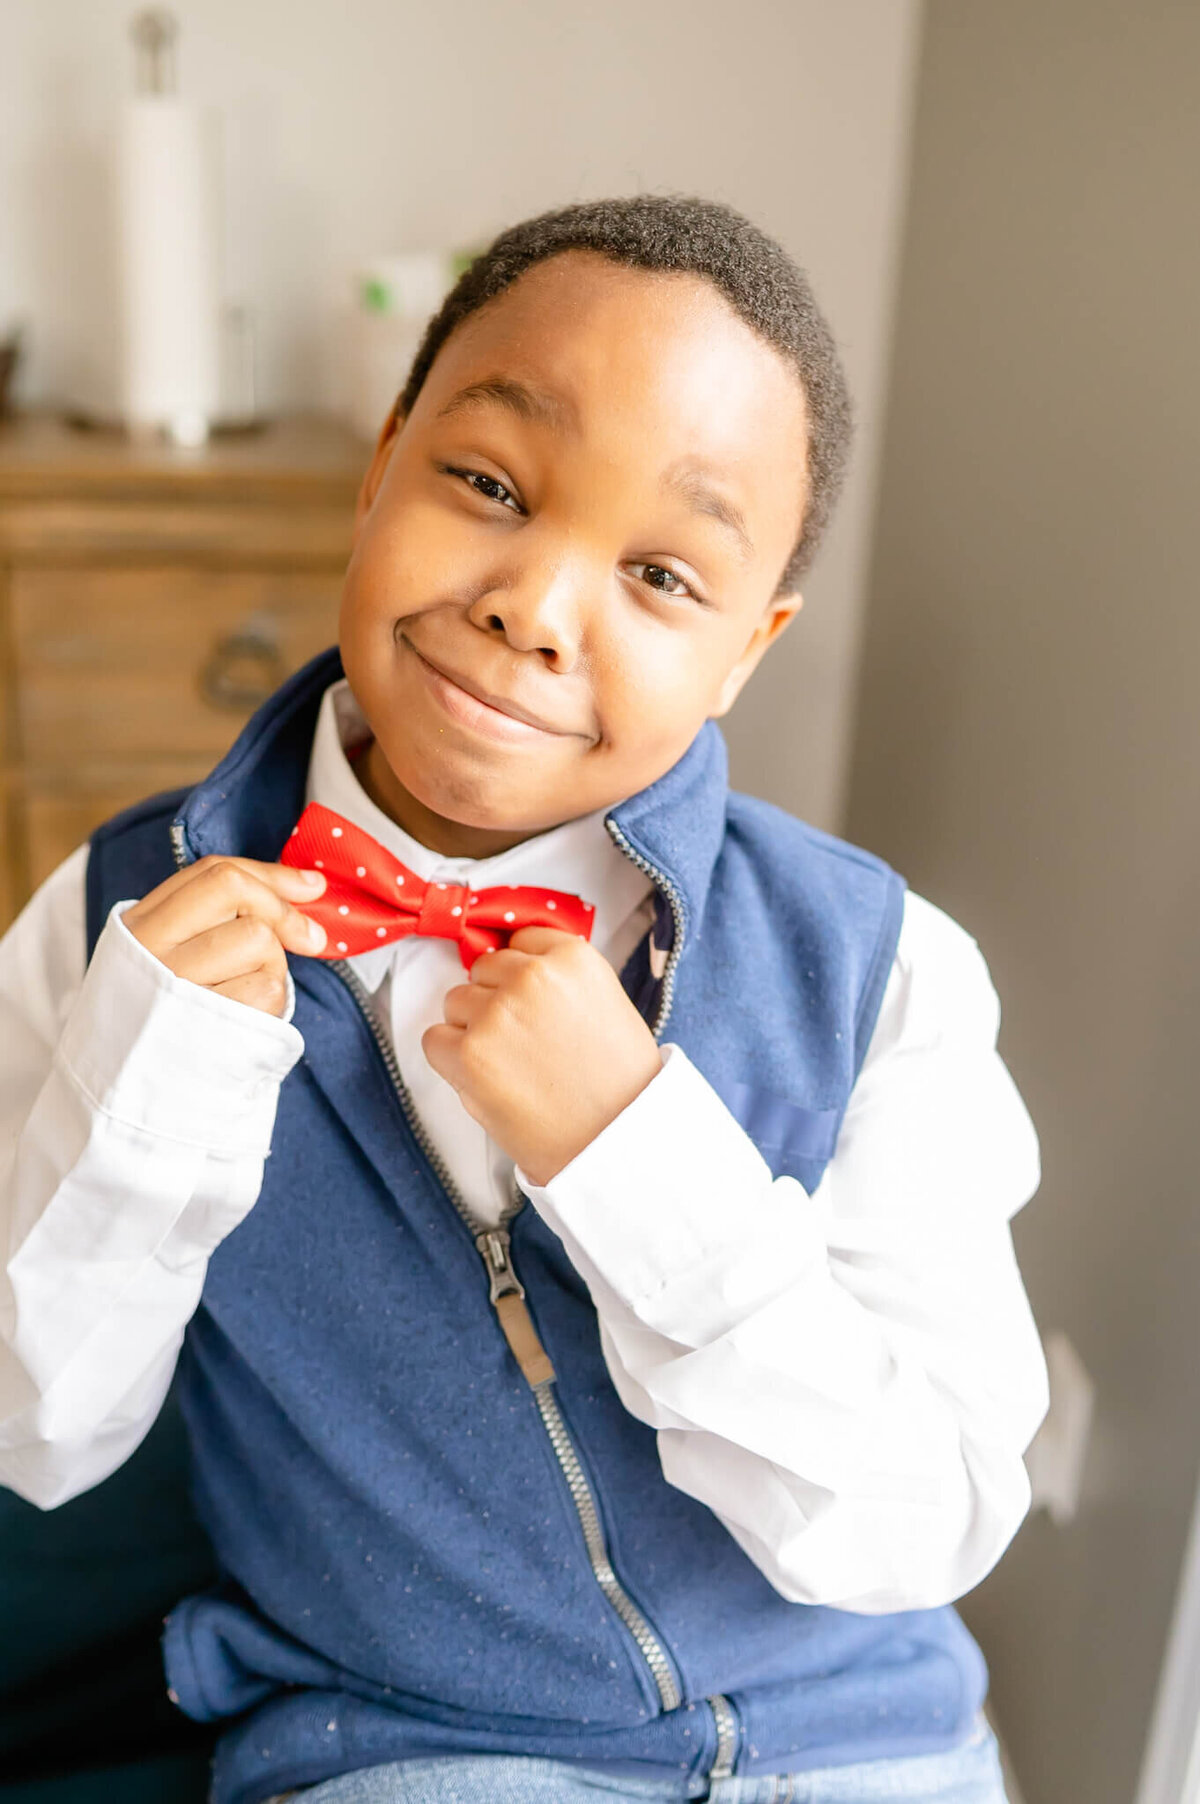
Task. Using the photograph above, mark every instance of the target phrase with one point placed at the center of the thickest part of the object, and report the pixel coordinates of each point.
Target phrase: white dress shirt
(407, 981)
(847, 1380)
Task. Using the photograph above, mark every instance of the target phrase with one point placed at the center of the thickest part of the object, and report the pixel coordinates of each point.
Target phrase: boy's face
(567, 555)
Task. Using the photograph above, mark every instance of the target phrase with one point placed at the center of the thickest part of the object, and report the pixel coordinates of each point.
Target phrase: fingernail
(312, 879)
(316, 934)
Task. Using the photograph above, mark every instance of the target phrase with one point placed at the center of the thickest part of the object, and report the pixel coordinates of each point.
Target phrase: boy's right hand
(226, 923)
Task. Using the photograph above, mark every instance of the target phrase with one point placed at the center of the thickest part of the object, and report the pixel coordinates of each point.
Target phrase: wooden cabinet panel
(86, 532)
(126, 663)
(13, 882)
(61, 815)
(150, 598)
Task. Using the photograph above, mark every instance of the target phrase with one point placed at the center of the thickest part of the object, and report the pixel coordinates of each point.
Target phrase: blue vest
(424, 1554)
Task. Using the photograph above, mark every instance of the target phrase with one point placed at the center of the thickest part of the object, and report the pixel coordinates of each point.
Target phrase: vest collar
(250, 802)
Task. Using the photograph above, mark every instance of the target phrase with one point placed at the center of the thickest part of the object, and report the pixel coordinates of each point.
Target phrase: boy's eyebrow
(534, 404)
(689, 479)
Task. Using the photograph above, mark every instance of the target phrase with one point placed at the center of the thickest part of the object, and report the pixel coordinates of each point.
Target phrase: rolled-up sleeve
(136, 1112)
(848, 1380)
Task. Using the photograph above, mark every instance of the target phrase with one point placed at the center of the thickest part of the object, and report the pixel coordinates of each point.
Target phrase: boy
(668, 1497)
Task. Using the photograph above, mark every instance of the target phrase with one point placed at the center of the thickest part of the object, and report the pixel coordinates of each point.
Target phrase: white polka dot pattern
(370, 896)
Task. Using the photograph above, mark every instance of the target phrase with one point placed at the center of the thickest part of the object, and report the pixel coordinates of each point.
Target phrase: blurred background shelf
(149, 599)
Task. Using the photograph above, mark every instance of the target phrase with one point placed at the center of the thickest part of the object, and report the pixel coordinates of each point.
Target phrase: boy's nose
(536, 608)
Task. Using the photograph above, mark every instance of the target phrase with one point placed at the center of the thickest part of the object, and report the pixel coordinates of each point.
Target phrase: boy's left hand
(544, 1048)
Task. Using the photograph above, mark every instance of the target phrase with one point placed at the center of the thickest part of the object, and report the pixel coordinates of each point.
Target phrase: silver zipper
(727, 1737)
(386, 1051)
(504, 1286)
(494, 1247)
(649, 1646)
(678, 915)
(724, 1719)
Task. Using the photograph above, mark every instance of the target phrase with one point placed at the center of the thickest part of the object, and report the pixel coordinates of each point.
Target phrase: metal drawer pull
(243, 669)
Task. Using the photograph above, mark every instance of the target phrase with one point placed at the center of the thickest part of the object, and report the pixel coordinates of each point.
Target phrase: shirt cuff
(162, 1054)
(672, 1205)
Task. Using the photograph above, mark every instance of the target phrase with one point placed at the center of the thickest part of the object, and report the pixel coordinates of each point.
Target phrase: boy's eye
(662, 579)
(487, 486)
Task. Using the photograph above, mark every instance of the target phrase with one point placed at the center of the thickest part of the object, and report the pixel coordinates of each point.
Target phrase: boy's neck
(450, 838)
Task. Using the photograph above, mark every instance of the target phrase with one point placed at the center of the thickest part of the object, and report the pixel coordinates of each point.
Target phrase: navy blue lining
(871, 1000)
(99, 902)
(777, 1125)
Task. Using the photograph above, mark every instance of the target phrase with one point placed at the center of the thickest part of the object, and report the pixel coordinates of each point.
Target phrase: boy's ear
(369, 487)
(781, 613)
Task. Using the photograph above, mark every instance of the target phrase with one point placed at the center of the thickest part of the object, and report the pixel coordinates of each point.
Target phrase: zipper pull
(507, 1296)
(494, 1248)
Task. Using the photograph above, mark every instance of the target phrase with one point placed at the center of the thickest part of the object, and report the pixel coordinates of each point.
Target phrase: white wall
(374, 125)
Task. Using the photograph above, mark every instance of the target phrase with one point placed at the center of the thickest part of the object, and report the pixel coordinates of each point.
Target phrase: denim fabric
(969, 1774)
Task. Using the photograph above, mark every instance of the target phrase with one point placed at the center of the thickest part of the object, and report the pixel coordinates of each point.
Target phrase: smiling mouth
(473, 706)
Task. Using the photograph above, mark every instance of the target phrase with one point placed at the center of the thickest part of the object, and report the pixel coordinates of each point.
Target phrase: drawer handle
(244, 669)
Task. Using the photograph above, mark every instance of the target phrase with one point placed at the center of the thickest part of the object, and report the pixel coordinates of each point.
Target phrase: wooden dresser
(150, 598)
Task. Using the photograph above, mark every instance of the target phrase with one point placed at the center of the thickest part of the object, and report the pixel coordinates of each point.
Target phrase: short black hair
(696, 237)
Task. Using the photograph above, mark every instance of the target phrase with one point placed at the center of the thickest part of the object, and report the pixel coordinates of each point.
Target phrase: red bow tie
(371, 898)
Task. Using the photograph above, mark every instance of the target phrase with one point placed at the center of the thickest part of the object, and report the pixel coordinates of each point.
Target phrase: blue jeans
(969, 1774)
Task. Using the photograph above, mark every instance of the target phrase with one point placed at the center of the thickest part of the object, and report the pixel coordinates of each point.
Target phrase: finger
(182, 919)
(291, 882)
(234, 949)
(464, 1004)
(537, 941)
(298, 934)
(295, 883)
(225, 890)
(256, 989)
(442, 1046)
(494, 969)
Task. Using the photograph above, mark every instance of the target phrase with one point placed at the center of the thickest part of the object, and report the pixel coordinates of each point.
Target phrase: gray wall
(1028, 753)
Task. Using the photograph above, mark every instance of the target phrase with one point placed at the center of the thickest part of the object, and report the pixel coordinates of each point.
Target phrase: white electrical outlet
(1056, 1458)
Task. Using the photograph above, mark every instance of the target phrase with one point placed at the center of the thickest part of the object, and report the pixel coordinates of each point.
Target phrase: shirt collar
(248, 804)
(578, 856)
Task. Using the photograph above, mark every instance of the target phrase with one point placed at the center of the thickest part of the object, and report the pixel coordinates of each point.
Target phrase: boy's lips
(493, 715)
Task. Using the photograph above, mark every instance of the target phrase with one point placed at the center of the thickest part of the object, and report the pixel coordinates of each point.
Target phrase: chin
(472, 797)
